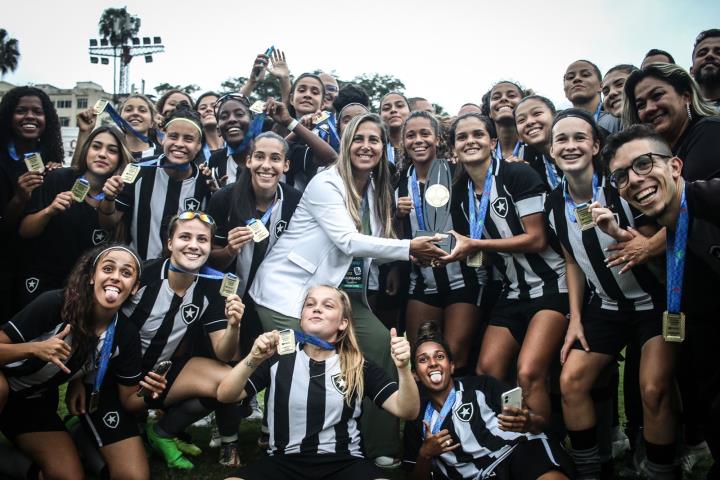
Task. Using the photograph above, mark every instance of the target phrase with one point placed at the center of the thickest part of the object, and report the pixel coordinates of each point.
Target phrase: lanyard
(302, 337)
(123, 124)
(105, 355)
(596, 115)
(570, 205)
(97, 197)
(516, 150)
(205, 272)
(551, 173)
(253, 131)
(675, 254)
(366, 228)
(157, 163)
(265, 217)
(332, 137)
(206, 152)
(417, 202)
(447, 406)
(477, 219)
(390, 153)
(12, 151)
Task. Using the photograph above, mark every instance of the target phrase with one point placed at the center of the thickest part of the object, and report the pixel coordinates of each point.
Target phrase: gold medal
(673, 326)
(229, 285)
(437, 195)
(100, 106)
(475, 260)
(258, 230)
(34, 163)
(584, 217)
(287, 342)
(130, 173)
(258, 107)
(80, 189)
(321, 117)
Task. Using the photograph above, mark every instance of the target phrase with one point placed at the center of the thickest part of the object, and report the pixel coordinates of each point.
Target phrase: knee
(654, 395)
(530, 376)
(572, 384)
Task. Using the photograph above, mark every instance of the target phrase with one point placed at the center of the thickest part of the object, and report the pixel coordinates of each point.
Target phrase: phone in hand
(161, 369)
(512, 398)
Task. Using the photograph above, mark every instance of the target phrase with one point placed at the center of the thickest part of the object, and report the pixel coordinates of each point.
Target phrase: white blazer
(318, 247)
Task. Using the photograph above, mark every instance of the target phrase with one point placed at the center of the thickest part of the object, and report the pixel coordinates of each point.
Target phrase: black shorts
(515, 315)
(534, 458)
(302, 466)
(178, 364)
(110, 423)
(25, 415)
(469, 295)
(608, 331)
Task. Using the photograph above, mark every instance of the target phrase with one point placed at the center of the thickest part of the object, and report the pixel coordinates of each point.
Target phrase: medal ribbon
(447, 406)
(303, 337)
(516, 150)
(551, 173)
(390, 153)
(570, 205)
(596, 115)
(105, 355)
(675, 255)
(332, 136)
(477, 218)
(266, 216)
(417, 203)
(205, 272)
(253, 131)
(123, 124)
(157, 163)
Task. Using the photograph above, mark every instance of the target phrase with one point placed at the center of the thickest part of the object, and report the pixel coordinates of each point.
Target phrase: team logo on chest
(192, 204)
(99, 236)
(500, 207)
(31, 284)
(338, 381)
(465, 412)
(280, 227)
(189, 313)
(111, 419)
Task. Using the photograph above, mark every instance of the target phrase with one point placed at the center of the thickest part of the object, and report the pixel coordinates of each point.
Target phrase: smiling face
(28, 120)
(182, 141)
(433, 367)
(206, 109)
(172, 101)
(115, 279)
(323, 315)
(348, 113)
(267, 163)
(307, 96)
(533, 120)
(660, 106)
(706, 62)
(394, 110)
(366, 148)
(103, 155)
(612, 90)
(573, 146)
(190, 244)
(581, 83)
(233, 122)
(138, 114)
(420, 140)
(472, 141)
(503, 98)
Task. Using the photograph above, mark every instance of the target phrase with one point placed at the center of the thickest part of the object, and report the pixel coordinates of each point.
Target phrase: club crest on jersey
(714, 250)
(189, 313)
(111, 419)
(465, 412)
(31, 284)
(338, 381)
(500, 207)
(99, 236)
(191, 204)
(280, 228)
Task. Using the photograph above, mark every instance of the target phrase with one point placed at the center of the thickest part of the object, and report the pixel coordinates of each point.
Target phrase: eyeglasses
(641, 165)
(191, 215)
(331, 89)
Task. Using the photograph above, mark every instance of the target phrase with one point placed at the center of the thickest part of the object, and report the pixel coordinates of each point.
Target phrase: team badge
(111, 419)
(189, 313)
(99, 236)
(191, 204)
(500, 206)
(465, 412)
(714, 250)
(280, 228)
(338, 381)
(31, 284)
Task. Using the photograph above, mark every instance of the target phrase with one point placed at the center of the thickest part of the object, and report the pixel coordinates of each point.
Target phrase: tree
(117, 26)
(267, 87)
(164, 87)
(377, 85)
(9, 53)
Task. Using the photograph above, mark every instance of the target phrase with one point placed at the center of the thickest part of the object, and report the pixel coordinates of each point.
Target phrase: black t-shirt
(540, 163)
(699, 149)
(302, 165)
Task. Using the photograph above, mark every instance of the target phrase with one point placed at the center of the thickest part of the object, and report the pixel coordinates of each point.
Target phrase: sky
(449, 51)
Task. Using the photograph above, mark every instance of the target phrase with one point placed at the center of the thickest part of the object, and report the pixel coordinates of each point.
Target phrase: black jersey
(41, 320)
(550, 174)
(429, 280)
(699, 149)
(167, 321)
(472, 423)
(302, 165)
(251, 254)
(221, 163)
(153, 199)
(518, 191)
(306, 408)
(637, 289)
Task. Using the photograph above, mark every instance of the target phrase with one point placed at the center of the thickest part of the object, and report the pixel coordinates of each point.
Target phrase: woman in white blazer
(343, 222)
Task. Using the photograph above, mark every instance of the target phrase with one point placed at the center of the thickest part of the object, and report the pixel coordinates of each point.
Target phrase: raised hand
(54, 349)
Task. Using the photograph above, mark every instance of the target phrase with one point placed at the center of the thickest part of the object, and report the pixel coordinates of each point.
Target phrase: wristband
(293, 123)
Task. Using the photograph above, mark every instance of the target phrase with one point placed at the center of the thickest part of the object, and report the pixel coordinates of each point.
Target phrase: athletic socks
(660, 462)
(585, 453)
(180, 416)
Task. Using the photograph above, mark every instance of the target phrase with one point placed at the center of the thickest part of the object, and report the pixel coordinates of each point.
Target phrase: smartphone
(512, 398)
(270, 50)
(161, 369)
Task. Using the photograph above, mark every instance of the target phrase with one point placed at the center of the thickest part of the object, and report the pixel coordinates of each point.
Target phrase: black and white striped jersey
(251, 254)
(306, 407)
(223, 164)
(472, 423)
(166, 321)
(550, 174)
(631, 291)
(518, 191)
(41, 320)
(153, 199)
(429, 280)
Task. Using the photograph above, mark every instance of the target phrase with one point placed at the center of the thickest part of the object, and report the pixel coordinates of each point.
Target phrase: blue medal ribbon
(331, 134)
(253, 131)
(390, 152)
(447, 406)
(477, 218)
(302, 337)
(123, 124)
(570, 204)
(206, 152)
(551, 173)
(105, 354)
(516, 149)
(205, 272)
(99, 197)
(596, 115)
(265, 217)
(417, 201)
(12, 152)
(157, 163)
(675, 255)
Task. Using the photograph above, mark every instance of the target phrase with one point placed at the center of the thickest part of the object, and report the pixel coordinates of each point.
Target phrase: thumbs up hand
(54, 349)
(399, 349)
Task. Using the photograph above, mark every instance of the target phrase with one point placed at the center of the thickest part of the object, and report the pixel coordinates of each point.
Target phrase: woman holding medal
(150, 192)
(619, 307)
(70, 334)
(63, 212)
(448, 294)
(533, 120)
(529, 320)
(314, 392)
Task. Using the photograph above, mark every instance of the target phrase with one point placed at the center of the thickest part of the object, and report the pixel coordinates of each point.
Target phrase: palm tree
(118, 26)
(9, 53)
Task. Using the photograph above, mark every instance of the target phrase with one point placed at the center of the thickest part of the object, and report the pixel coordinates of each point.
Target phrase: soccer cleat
(168, 449)
(230, 455)
(692, 454)
(188, 448)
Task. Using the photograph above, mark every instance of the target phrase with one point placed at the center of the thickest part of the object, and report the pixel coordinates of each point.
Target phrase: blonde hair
(380, 176)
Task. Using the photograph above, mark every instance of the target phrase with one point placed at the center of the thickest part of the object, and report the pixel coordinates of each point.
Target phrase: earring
(689, 111)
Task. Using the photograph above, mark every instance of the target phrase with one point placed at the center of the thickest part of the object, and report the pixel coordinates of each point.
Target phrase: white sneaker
(387, 462)
(692, 454)
(215, 440)
(620, 442)
(206, 421)
(257, 413)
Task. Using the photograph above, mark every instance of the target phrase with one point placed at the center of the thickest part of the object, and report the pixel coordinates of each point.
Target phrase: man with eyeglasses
(649, 178)
(331, 91)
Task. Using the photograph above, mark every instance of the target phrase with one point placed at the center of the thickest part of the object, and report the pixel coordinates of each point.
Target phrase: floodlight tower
(101, 51)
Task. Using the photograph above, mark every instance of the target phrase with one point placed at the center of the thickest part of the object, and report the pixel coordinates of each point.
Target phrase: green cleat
(188, 448)
(168, 449)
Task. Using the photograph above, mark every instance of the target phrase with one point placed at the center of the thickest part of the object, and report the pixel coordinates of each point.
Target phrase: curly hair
(51, 147)
(184, 110)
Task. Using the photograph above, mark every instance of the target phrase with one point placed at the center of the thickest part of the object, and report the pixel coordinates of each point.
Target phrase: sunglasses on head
(191, 215)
